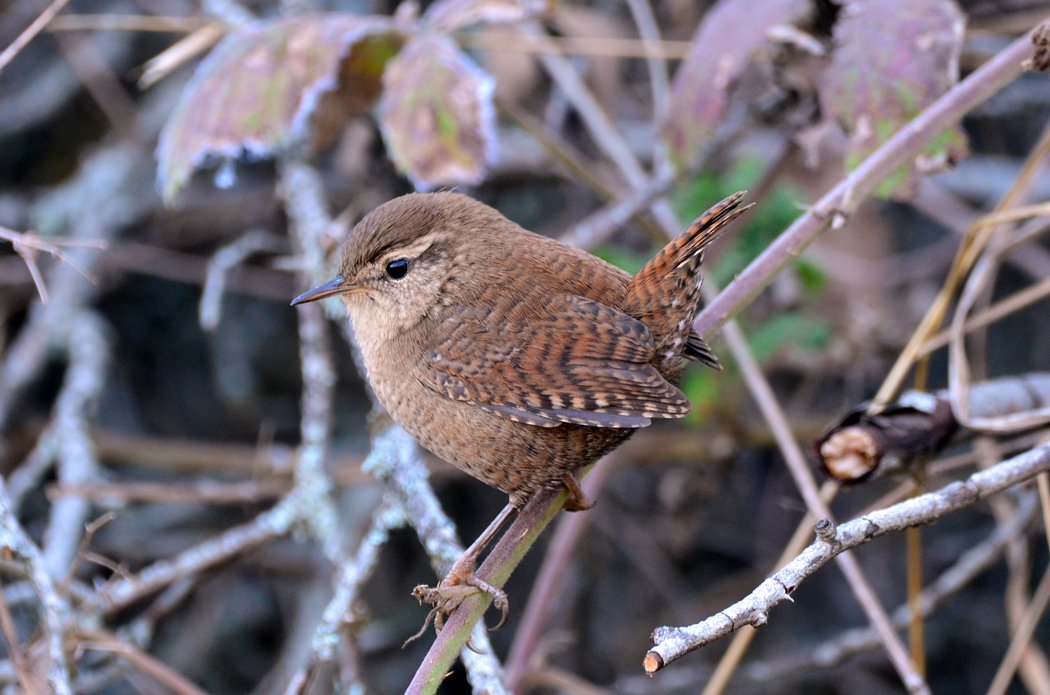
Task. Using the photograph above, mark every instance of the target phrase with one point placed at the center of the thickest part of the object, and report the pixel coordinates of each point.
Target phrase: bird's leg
(577, 501)
(461, 581)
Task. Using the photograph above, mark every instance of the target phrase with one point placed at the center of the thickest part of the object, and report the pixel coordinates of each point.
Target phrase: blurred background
(135, 391)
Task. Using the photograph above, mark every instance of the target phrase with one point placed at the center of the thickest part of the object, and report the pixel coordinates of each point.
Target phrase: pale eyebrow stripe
(413, 250)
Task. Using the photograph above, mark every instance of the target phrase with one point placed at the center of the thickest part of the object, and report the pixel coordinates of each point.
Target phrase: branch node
(826, 531)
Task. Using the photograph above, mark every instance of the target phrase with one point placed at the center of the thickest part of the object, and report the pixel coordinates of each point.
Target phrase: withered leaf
(272, 84)
(436, 114)
(892, 59)
(449, 15)
(729, 35)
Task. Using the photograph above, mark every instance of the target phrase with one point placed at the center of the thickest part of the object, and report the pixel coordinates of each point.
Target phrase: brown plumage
(511, 355)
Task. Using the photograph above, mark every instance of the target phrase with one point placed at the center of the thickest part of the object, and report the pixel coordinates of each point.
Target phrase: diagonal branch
(674, 642)
(844, 198)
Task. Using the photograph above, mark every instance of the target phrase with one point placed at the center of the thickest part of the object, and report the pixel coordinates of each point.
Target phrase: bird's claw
(450, 592)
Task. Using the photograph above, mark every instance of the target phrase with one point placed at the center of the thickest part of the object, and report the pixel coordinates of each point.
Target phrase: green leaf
(764, 223)
(806, 332)
(702, 386)
(622, 258)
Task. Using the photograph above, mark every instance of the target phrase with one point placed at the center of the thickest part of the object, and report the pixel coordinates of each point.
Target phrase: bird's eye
(397, 269)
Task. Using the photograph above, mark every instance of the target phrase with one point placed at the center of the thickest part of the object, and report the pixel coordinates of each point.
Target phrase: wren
(511, 355)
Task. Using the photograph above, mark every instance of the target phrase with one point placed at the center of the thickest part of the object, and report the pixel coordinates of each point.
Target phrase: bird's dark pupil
(397, 269)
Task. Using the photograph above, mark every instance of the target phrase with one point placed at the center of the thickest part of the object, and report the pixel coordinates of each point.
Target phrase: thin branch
(119, 593)
(1001, 309)
(77, 464)
(1021, 638)
(126, 22)
(838, 203)
(14, 648)
(224, 260)
(55, 608)
(30, 32)
(498, 566)
(339, 613)
(973, 244)
(672, 643)
(395, 460)
(161, 672)
(975, 561)
(202, 492)
(804, 480)
(549, 581)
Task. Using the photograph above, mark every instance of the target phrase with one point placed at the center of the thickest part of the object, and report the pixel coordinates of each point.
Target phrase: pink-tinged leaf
(727, 39)
(436, 114)
(449, 15)
(892, 59)
(272, 84)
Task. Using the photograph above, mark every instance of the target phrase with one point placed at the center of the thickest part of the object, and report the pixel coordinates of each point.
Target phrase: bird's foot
(446, 597)
(577, 501)
(461, 582)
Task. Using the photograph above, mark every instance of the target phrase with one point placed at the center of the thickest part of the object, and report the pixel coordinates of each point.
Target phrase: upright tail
(665, 294)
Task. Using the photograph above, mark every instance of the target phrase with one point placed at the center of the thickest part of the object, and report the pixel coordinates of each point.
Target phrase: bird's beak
(339, 285)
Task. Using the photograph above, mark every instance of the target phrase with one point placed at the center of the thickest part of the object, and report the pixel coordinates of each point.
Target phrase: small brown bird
(514, 357)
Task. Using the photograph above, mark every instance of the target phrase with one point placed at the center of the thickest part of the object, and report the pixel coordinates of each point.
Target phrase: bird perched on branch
(514, 357)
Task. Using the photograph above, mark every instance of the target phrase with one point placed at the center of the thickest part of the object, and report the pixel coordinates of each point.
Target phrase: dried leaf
(893, 59)
(272, 84)
(728, 37)
(436, 114)
(449, 15)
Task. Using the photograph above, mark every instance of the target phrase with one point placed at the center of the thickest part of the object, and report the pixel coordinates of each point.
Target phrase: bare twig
(30, 32)
(225, 259)
(27, 245)
(339, 612)
(800, 472)
(549, 581)
(104, 641)
(843, 199)
(105, 172)
(671, 643)
(1021, 637)
(919, 425)
(277, 522)
(395, 460)
(77, 464)
(972, 563)
(14, 648)
(974, 243)
(55, 607)
(461, 624)
(202, 492)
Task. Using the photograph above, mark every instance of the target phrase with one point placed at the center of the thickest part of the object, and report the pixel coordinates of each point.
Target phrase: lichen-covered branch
(77, 464)
(54, 607)
(673, 642)
(972, 563)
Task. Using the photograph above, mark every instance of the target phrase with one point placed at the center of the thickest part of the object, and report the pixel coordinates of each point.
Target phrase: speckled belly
(516, 458)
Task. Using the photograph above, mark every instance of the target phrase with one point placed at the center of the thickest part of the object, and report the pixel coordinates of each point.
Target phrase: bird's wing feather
(552, 360)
